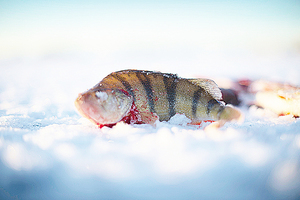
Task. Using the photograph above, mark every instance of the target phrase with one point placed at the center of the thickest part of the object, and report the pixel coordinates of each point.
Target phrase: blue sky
(39, 27)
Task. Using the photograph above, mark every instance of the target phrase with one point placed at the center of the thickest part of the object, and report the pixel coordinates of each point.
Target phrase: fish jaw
(104, 106)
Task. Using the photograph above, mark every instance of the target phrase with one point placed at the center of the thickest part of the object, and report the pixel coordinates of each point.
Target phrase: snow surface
(48, 151)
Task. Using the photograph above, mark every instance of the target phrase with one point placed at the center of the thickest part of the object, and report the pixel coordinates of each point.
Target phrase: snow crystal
(19, 158)
(253, 153)
(65, 151)
(286, 176)
(179, 119)
(297, 141)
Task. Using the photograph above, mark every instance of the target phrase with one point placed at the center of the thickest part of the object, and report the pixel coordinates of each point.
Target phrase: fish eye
(101, 95)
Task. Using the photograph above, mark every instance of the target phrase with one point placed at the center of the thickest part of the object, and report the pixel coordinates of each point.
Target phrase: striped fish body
(161, 95)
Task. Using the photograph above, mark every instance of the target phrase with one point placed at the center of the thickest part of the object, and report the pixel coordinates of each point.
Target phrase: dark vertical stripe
(211, 104)
(196, 97)
(148, 88)
(170, 82)
(125, 83)
(220, 110)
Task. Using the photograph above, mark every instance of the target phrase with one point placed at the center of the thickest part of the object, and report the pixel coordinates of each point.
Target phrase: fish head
(104, 106)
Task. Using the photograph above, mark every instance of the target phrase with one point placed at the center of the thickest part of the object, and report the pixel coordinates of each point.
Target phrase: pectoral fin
(228, 114)
(149, 117)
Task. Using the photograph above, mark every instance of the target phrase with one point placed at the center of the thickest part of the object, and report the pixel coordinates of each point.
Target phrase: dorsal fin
(209, 85)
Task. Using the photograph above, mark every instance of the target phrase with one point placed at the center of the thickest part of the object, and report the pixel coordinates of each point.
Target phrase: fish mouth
(109, 110)
(84, 108)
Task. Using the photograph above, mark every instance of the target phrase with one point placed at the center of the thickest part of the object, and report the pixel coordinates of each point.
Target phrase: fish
(143, 97)
(280, 98)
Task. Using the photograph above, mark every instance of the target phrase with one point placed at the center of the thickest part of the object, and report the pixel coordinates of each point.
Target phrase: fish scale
(147, 83)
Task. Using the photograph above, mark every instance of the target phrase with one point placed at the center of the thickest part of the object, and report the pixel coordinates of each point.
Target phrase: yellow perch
(281, 98)
(136, 96)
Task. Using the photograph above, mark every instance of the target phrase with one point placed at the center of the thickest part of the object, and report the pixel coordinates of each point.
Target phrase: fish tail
(230, 113)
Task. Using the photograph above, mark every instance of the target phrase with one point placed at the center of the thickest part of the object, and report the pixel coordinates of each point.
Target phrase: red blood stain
(132, 117)
(200, 123)
(125, 92)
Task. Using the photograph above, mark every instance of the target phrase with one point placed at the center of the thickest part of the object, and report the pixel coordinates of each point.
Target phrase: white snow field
(48, 151)
(50, 51)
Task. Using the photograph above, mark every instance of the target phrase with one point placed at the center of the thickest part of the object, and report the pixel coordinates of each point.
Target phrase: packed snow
(48, 151)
